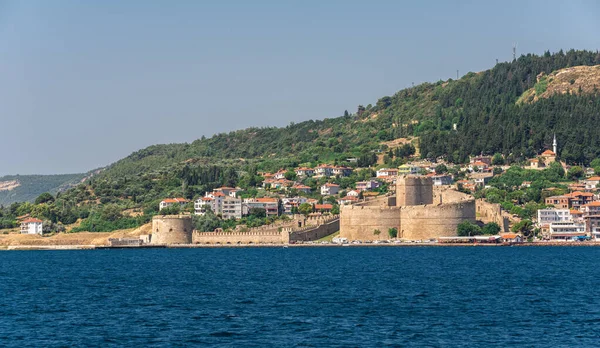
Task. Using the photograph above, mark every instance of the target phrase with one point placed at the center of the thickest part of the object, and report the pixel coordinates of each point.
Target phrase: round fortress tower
(172, 229)
(414, 190)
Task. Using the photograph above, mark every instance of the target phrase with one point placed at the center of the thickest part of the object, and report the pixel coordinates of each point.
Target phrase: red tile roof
(31, 220)
(548, 153)
(323, 206)
(593, 204)
(266, 200)
(174, 200)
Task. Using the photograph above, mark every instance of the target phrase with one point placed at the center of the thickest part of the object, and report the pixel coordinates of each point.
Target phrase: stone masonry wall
(414, 190)
(262, 237)
(316, 232)
(172, 229)
(360, 223)
(431, 221)
(491, 212)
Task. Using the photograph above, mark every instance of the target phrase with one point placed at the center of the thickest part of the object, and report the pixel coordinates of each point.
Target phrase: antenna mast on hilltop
(515, 50)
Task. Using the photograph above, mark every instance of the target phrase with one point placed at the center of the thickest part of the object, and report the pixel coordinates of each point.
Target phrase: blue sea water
(302, 297)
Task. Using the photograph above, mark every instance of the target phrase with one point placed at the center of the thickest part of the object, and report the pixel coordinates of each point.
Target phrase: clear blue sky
(85, 83)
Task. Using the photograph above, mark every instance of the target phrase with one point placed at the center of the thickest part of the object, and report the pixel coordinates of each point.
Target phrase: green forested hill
(31, 186)
(479, 113)
(482, 105)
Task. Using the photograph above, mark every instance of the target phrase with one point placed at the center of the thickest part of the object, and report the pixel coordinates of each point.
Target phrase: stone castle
(417, 212)
(178, 230)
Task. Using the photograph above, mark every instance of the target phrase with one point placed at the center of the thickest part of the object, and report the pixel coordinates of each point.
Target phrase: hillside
(573, 80)
(476, 114)
(26, 188)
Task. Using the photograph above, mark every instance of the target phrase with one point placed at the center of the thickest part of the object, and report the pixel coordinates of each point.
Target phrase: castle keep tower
(172, 229)
(414, 190)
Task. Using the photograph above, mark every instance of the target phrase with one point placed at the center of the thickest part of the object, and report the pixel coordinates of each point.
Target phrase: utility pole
(457, 74)
(515, 51)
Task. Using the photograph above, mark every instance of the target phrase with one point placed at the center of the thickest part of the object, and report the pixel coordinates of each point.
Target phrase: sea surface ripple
(302, 297)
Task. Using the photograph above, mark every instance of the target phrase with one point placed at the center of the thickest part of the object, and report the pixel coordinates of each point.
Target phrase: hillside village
(574, 215)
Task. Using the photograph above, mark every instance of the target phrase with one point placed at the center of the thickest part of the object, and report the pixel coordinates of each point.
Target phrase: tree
(290, 175)
(376, 232)
(497, 159)
(305, 209)
(441, 169)
(335, 210)
(258, 212)
(524, 227)
(393, 232)
(491, 228)
(467, 228)
(45, 197)
(575, 172)
(596, 165)
(171, 210)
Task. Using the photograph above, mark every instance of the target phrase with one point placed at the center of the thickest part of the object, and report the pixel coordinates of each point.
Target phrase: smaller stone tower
(172, 229)
(414, 190)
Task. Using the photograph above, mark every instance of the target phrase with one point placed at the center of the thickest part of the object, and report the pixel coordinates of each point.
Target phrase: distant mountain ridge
(26, 188)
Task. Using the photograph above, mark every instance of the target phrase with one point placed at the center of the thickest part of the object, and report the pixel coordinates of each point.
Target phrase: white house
(342, 171)
(387, 172)
(330, 189)
(592, 183)
(347, 200)
(229, 207)
(270, 205)
(353, 193)
(440, 180)
(280, 174)
(232, 208)
(228, 191)
(302, 188)
(170, 201)
(201, 204)
(324, 170)
(303, 171)
(31, 226)
(367, 185)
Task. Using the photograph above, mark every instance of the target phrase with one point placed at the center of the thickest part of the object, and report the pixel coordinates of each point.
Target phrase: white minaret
(554, 144)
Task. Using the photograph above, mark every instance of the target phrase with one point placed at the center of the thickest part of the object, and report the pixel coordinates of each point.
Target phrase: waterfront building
(31, 226)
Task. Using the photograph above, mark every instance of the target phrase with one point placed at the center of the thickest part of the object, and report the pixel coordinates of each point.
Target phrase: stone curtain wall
(253, 237)
(315, 233)
(491, 212)
(430, 221)
(360, 223)
(172, 229)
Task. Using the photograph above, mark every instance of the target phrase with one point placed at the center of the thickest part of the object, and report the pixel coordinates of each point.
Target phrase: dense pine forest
(476, 114)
